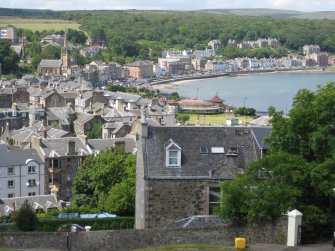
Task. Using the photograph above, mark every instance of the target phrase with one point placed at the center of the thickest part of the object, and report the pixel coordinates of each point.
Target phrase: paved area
(312, 247)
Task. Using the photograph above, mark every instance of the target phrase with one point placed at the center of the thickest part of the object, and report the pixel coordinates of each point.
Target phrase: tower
(65, 57)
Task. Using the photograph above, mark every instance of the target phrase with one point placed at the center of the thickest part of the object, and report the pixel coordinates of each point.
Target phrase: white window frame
(169, 158)
(11, 186)
(31, 169)
(10, 173)
(170, 147)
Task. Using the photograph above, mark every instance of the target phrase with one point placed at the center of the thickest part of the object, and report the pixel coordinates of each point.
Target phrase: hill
(274, 13)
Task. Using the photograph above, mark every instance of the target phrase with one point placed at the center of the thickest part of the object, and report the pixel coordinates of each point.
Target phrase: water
(258, 90)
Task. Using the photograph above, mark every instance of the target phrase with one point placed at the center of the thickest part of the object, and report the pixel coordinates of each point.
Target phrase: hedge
(53, 224)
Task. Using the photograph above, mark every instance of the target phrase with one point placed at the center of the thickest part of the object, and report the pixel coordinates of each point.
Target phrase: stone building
(52, 99)
(62, 157)
(179, 169)
(56, 67)
(141, 69)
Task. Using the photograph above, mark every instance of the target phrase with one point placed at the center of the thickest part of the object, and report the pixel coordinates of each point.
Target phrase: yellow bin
(240, 243)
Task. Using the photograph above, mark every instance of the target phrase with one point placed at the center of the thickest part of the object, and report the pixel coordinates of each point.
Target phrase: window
(31, 183)
(203, 149)
(31, 169)
(214, 199)
(173, 154)
(10, 170)
(217, 150)
(10, 183)
(11, 195)
(23, 114)
(32, 194)
(173, 157)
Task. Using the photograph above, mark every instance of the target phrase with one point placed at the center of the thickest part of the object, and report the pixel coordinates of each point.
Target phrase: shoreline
(166, 83)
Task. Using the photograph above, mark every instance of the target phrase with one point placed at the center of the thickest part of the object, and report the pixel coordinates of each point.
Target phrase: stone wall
(132, 239)
(169, 200)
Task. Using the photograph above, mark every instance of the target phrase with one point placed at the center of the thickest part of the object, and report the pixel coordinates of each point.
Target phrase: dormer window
(172, 154)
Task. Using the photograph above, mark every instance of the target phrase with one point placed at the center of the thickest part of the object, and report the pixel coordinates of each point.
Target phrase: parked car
(77, 228)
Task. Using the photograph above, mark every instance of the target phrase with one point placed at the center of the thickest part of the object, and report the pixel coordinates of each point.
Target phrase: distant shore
(166, 83)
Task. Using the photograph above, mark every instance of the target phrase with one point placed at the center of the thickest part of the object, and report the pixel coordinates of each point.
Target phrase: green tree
(95, 132)
(8, 58)
(299, 172)
(25, 218)
(99, 174)
(174, 96)
(182, 118)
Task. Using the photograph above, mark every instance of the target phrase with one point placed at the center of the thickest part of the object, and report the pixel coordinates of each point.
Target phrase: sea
(255, 90)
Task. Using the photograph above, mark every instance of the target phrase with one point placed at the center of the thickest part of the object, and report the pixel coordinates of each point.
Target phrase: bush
(51, 225)
(26, 219)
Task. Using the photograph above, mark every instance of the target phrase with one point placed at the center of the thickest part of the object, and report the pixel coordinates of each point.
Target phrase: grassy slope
(38, 24)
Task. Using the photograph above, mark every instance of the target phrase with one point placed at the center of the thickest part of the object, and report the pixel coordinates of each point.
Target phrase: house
(179, 169)
(96, 146)
(53, 39)
(141, 69)
(52, 99)
(22, 173)
(40, 203)
(310, 49)
(214, 44)
(9, 33)
(115, 130)
(84, 123)
(61, 116)
(62, 157)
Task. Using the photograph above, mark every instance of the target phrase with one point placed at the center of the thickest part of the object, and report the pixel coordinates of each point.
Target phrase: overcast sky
(302, 5)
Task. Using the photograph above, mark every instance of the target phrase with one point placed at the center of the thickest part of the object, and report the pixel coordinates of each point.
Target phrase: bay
(256, 90)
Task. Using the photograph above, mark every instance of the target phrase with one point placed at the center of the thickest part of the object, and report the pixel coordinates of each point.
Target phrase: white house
(22, 173)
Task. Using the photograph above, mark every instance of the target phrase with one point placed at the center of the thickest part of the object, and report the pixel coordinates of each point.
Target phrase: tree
(8, 58)
(95, 132)
(299, 172)
(103, 177)
(26, 219)
(182, 118)
(174, 96)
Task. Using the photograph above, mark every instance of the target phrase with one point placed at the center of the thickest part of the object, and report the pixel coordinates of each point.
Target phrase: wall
(132, 239)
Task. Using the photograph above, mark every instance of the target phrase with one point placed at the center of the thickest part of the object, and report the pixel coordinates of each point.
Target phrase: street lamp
(245, 113)
(333, 212)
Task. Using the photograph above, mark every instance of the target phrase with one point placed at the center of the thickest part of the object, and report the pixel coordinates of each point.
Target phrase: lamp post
(333, 222)
(245, 113)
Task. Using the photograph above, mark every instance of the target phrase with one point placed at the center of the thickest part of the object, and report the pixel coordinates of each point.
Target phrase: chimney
(36, 142)
(144, 123)
(71, 147)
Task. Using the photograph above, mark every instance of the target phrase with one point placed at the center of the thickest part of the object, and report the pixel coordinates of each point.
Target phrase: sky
(301, 5)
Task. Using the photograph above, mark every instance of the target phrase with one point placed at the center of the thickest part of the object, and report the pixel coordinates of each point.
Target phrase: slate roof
(36, 92)
(69, 95)
(196, 165)
(83, 117)
(125, 96)
(60, 113)
(17, 157)
(260, 133)
(48, 94)
(104, 144)
(60, 146)
(53, 133)
(43, 202)
(24, 136)
(50, 63)
(87, 95)
(140, 63)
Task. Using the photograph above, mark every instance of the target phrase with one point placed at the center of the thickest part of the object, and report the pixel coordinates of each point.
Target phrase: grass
(35, 24)
(189, 247)
(216, 119)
